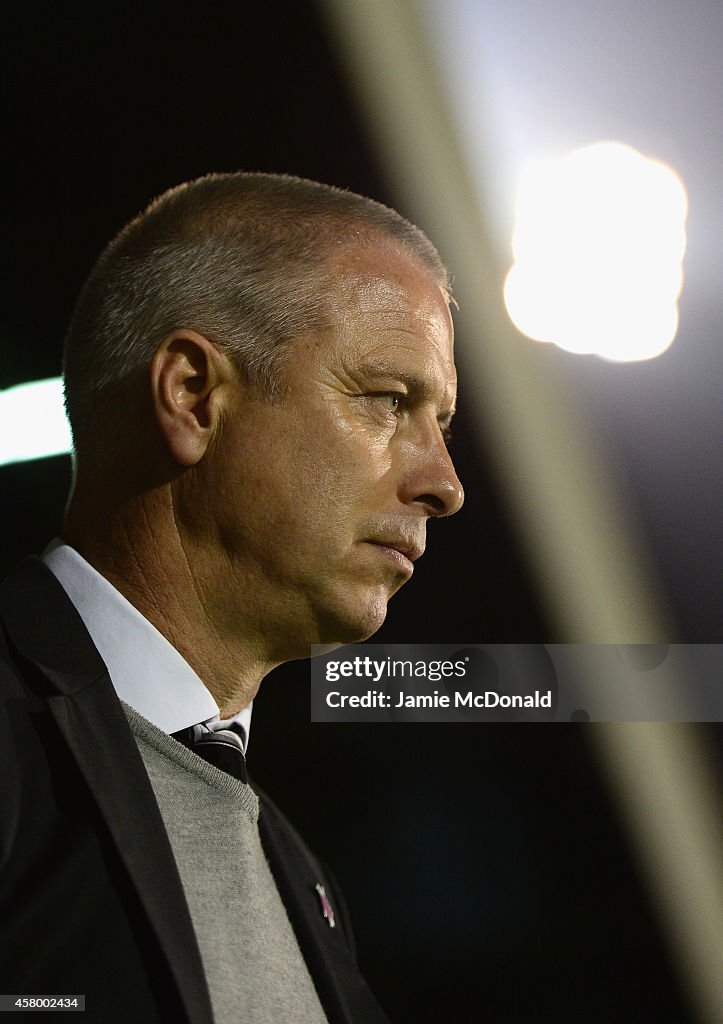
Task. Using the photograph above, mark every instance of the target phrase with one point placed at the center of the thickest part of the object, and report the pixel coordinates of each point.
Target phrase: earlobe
(185, 374)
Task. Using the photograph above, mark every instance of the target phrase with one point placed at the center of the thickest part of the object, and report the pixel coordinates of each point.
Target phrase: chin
(352, 625)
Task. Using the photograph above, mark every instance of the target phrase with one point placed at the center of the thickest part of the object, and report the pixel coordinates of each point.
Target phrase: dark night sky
(486, 874)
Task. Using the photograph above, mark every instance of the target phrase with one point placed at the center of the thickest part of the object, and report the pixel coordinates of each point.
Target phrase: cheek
(348, 478)
(335, 455)
(311, 479)
(353, 450)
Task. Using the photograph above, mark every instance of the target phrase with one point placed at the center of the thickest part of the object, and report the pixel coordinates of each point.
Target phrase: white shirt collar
(146, 670)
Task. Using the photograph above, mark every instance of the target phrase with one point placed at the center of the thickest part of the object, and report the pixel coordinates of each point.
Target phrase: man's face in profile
(321, 498)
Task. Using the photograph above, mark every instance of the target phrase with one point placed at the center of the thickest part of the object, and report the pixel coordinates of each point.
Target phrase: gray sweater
(254, 967)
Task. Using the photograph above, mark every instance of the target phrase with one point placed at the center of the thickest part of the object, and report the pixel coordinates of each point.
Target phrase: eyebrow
(414, 384)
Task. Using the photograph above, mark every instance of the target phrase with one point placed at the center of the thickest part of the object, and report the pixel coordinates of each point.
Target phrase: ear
(188, 373)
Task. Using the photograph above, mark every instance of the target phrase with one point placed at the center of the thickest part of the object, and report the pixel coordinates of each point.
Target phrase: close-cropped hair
(243, 259)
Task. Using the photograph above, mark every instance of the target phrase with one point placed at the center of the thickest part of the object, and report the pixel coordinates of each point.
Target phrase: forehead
(384, 300)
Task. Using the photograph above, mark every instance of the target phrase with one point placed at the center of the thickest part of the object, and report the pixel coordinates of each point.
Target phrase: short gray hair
(244, 259)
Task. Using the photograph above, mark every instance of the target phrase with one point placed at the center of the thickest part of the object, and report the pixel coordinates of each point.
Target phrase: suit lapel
(49, 633)
(342, 990)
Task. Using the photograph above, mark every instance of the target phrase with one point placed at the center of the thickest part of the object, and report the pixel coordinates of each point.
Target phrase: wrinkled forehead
(391, 290)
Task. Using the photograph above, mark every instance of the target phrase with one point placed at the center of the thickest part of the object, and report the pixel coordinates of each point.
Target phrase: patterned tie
(223, 748)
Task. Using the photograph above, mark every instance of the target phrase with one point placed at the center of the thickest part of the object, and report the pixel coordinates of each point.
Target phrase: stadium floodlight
(598, 245)
(33, 424)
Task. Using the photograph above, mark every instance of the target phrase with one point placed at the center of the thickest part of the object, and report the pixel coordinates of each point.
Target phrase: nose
(432, 482)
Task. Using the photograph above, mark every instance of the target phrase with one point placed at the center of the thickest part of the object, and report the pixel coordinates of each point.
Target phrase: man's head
(289, 348)
(244, 259)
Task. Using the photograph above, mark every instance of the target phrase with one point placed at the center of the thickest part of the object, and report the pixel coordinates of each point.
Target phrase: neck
(138, 547)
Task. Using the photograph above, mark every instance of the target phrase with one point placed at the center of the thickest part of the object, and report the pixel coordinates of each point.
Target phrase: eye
(391, 400)
(386, 402)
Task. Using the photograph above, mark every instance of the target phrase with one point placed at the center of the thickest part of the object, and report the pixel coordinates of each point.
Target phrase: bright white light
(598, 244)
(32, 421)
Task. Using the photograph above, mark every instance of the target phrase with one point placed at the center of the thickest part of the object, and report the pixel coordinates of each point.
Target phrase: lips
(409, 549)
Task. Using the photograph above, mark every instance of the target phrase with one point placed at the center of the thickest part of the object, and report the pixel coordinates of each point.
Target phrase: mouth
(402, 552)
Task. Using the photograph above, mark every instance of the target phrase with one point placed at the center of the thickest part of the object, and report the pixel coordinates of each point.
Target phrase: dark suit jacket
(90, 897)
